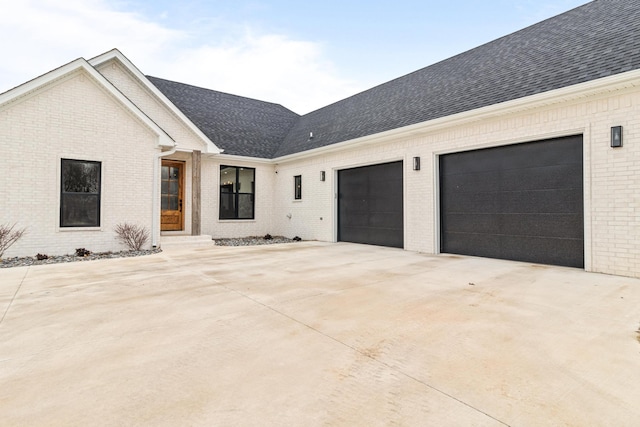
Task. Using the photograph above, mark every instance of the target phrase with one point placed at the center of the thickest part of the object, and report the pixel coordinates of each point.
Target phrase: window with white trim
(80, 193)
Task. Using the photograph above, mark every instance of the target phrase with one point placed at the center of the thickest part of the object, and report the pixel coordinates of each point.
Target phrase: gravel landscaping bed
(24, 261)
(244, 241)
(254, 240)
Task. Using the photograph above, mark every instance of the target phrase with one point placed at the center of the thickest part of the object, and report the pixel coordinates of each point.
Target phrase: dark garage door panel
(529, 178)
(517, 248)
(370, 205)
(541, 201)
(539, 225)
(521, 202)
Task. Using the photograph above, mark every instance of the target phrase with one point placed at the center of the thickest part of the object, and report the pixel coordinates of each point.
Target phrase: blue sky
(303, 55)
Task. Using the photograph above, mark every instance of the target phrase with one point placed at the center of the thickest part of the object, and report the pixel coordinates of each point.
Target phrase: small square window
(297, 187)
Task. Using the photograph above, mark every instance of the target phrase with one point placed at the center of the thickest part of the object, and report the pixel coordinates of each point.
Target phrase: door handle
(180, 205)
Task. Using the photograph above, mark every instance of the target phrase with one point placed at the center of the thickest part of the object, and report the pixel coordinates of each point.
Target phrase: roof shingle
(240, 126)
(596, 40)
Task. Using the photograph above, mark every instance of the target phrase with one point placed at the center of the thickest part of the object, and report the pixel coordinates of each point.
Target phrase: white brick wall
(188, 140)
(611, 176)
(72, 118)
(211, 224)
(76, 118)
(154, 108)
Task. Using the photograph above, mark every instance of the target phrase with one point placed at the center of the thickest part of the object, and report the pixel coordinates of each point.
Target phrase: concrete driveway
(317, 334)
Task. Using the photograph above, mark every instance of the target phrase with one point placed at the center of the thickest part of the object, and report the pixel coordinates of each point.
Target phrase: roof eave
(115, 54)
(237, 158)
(565, 94)
(80, 64)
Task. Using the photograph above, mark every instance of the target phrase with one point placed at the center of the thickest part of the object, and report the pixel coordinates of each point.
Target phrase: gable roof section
(599, 39)
(241, 126)
(115, 54)
(81, 65)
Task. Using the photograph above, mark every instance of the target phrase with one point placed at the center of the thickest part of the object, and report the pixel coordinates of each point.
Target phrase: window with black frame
(237, 192)
(297, 187)
(80, 193)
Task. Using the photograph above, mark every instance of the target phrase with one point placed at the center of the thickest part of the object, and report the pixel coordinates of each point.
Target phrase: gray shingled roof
(240, 126)
(596, 40)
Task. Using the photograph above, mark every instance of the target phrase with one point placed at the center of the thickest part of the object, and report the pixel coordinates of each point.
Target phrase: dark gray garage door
(520, 202)
(370, 205)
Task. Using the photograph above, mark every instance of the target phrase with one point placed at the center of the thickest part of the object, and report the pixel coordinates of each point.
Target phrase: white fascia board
(231, 158)
(81, 65)
(209, 146)
(565, 94)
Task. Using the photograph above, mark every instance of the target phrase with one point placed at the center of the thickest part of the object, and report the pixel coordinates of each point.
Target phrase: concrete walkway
(316, 334)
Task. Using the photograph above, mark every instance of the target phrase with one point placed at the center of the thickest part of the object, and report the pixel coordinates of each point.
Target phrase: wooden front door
(171, 217)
